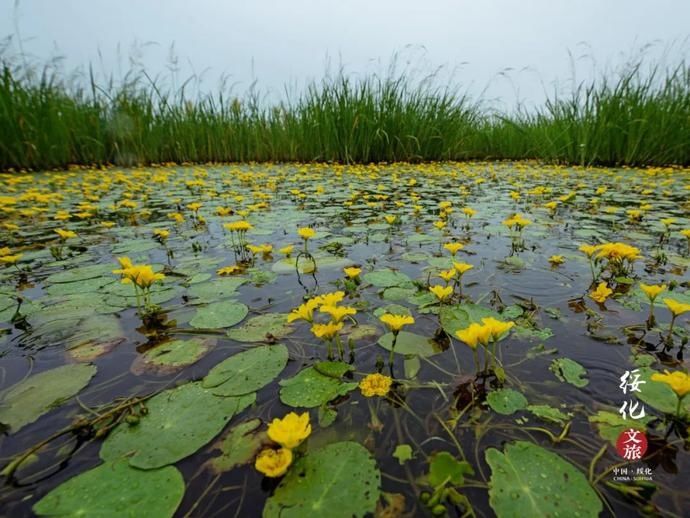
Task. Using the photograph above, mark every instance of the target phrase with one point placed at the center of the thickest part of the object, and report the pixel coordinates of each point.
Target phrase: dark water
(434, 398)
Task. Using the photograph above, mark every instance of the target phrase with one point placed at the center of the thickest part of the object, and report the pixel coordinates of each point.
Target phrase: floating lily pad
(179, 422)
(239, 446)
(506, 401)
(26, 401)
(527, 480)
(95, 337)
(549, 414)
(386, 278)
(410, 343)
(215, 290)
(446, 469)
(569, 371)
(338, 480)
(219, 314)
(260, 328)
(323, 262)
(116, 489)
(460, 316)
(659, 395)
(610, 425)
(247, 371)
(171, 356)
(310, 388)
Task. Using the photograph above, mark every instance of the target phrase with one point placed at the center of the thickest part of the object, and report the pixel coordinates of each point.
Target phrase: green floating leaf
(333, 369)
(83, 273)
(178, 423)
(258, 329)
(219, 314)
(239, 446)
(215, 290)
(395, 309)
(116, 489)
(506, 401)
(247, 371)
(95, 337)
(446, 469)
(527, 480)
(23, 403)
(386, 278)
(310, 388)
(569, 371)
(171, 356)
(323, 262)
(532, 334)
(338, 480)
(410, 343)
(403, 452)
(549, 413)
(460, 316)
(610, 425)
(659, 395)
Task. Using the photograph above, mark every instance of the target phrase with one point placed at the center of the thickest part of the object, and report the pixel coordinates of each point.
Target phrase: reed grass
(634, 118)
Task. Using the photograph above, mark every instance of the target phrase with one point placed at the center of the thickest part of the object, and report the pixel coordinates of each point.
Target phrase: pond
(448, 339)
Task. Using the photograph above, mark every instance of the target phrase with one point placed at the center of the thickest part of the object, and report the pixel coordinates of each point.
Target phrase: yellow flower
(441, 292)
(238, 226)
(65, 234)
(677, 308)
(461, 268)
(447, 275)
(161, 233)
(667, 222)
(291, 430)
(306, 233)
(108, 224)
(396, 322)
(176, 216)
(273, 463)
(618, 252)
(588, 249)
(338, 313)
(352, 272)
(331, 299)
(556, 259)
(5, 250)
(326, 331)
(652, 291)
(194, 206)
(677, 380)
(497, 328)
(474, 335)
(390, 219)
(601, 293)
(228, 270)
(440, 224)
(685, 232)
(10, 259)
(304, 311)
(144, 276)
(467, 211)
(287, 250)
(125, 264)
(517, 221)
(453, 248)
(375, 385)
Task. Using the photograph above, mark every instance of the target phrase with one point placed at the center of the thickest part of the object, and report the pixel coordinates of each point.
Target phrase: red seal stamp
(631, 444)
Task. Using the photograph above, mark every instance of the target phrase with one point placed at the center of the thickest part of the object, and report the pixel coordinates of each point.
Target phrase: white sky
(280, 41)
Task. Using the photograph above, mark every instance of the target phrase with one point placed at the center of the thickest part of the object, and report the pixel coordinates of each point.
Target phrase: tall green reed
(634, 118)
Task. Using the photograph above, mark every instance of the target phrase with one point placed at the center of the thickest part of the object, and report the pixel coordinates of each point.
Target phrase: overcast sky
(281, 41)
